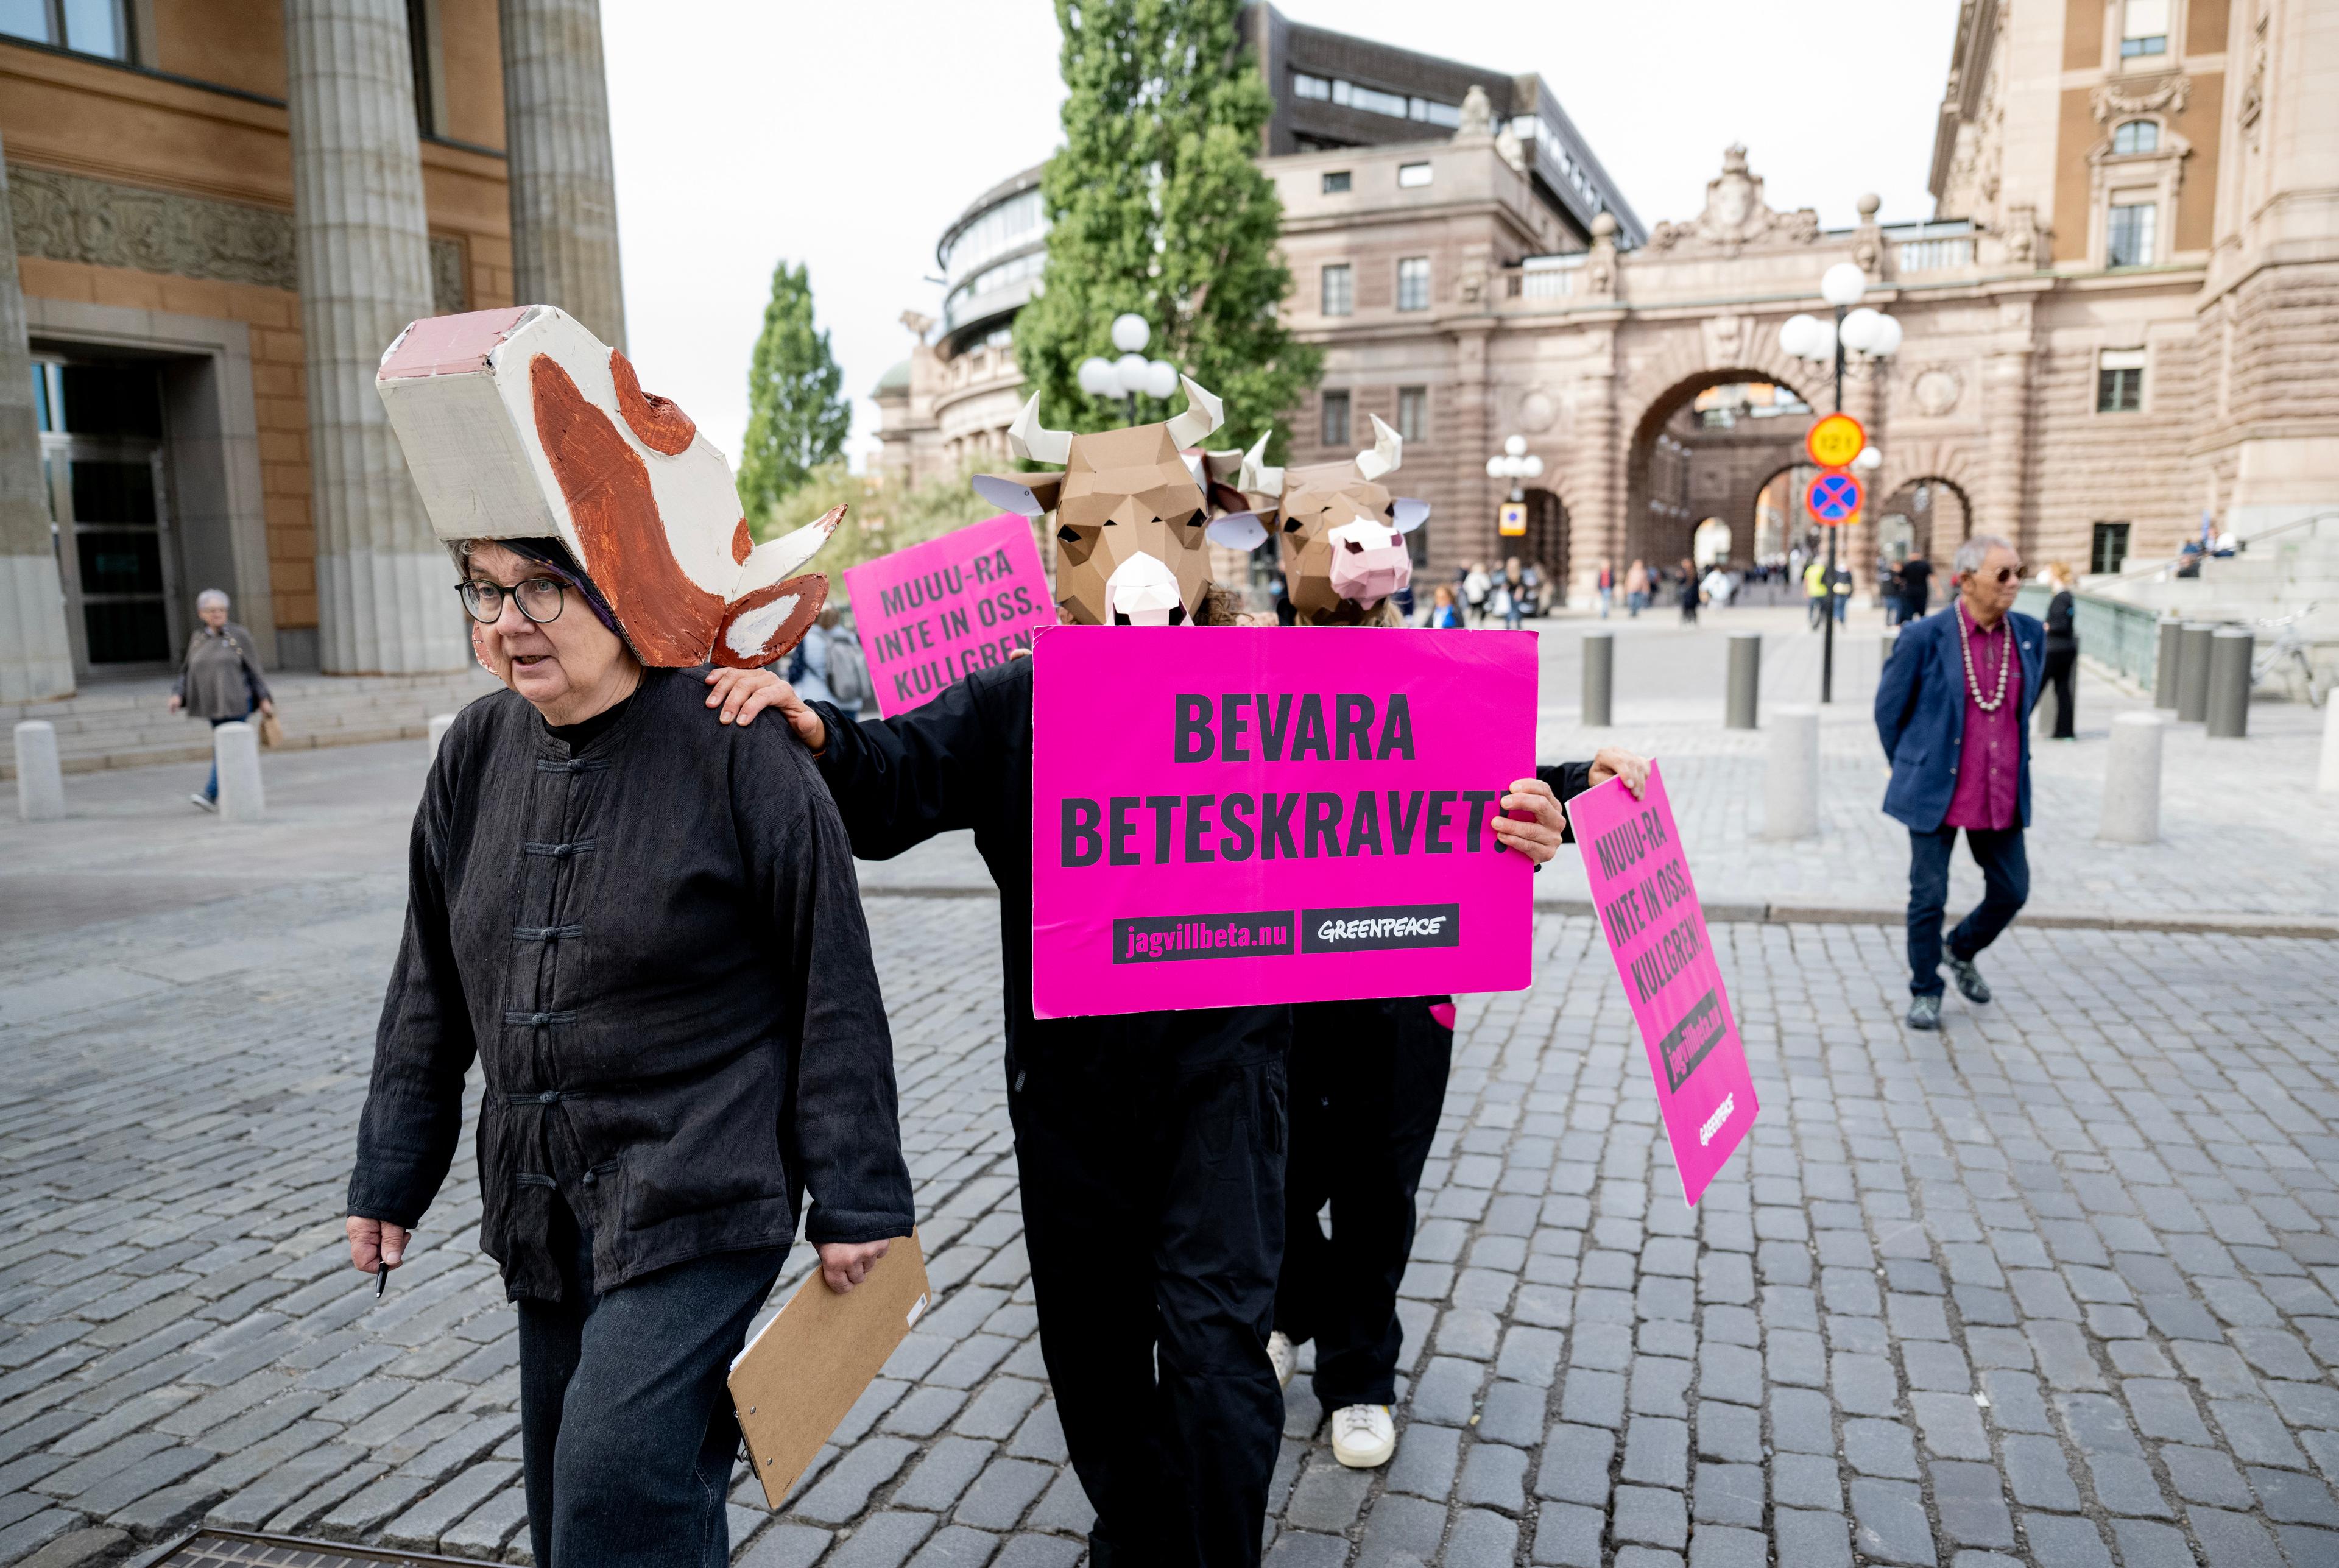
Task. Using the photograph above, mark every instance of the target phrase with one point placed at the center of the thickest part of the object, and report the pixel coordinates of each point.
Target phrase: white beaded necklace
(2004, 658)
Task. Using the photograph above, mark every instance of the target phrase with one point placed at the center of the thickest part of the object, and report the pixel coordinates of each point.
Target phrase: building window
(1335, 418)
(1410, 175)
(2145, 29)
(1413, 283)
(1303, 85)
(2120, 381)
(1412, 413)
(85, 27)
(2132, 223)
(1335, 182)
(2109, 552)
(2136, 136)
(1340, 290)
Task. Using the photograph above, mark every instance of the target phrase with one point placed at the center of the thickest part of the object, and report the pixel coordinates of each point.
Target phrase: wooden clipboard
(794, 1381)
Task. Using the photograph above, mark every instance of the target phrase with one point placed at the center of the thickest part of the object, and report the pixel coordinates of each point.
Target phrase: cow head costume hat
(521, 424)
(1342, 532)
(1131, 516)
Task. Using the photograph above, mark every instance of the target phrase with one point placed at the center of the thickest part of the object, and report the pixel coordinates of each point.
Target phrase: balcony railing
(1934, 255)
(1542, 278)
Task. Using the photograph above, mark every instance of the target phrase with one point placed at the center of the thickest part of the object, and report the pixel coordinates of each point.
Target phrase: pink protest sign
(1230, 816)
(1648, 907)
(930, 613)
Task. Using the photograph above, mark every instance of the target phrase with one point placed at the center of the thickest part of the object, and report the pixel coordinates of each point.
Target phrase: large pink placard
(930, 613)
(1649, 909)
(1227, 816)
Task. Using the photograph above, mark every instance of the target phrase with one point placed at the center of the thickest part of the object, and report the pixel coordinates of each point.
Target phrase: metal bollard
(2171, 651)
(1599, 677)
(2229, 681)
(236, 749)
(40, 781)
(439, 724)
(1745, 680)
(2132, 781)
(1892, 641)
(2326, 777)
(1790, 778)
(2193, 672)
(2042, 714)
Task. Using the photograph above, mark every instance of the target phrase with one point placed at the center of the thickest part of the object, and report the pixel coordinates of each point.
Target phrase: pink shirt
(1988, 796)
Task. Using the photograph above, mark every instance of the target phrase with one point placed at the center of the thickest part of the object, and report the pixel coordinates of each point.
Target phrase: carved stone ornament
(72, 218)
(1936, 390)
(1736, 216)
(1725, 340)
(1537, 412)
(1477, 113)
(2159, 95)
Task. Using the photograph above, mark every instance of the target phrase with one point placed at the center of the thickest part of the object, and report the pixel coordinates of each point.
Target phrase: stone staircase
(124, 724)
(2292, 571)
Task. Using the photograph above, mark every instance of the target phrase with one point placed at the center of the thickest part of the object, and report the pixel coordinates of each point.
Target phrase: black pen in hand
(380, 1278)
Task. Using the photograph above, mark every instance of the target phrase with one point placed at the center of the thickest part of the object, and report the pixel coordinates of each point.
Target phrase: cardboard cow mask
(1132, 518)
(519, 424)
(1342, 533)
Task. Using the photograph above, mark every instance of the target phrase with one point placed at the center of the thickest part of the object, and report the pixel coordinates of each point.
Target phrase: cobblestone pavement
(2057, 1285)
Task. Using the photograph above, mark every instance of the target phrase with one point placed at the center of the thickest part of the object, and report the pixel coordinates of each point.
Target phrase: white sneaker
(203, 801)
(1284, 1355)
(1363, 1435)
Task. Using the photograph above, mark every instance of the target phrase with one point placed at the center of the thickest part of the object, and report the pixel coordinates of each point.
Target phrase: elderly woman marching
(220, 678)
(644, 929)
(1368, 1077)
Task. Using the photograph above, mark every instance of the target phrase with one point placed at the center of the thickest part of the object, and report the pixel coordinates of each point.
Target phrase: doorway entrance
(104, 468)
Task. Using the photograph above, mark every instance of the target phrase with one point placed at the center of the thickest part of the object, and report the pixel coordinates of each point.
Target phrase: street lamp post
(1856, 330)
(1514, 462)
(1132, 372)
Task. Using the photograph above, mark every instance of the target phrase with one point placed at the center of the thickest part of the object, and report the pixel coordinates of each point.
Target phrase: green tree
(1156, 206)
(796, 417)
(883, 514)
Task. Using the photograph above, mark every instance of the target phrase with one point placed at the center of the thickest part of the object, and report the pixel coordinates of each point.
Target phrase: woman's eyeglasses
(540, 599)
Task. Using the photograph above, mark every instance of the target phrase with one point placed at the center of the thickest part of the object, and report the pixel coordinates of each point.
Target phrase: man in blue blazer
(1953, 709)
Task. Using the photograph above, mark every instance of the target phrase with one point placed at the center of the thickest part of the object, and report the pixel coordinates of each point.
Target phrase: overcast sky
(848, 136)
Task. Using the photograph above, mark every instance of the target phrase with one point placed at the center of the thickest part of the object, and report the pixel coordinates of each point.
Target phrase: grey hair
(1975, 550)
(209, 597)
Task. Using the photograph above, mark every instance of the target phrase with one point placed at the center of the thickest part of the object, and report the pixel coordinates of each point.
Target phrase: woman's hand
(174, 702)
(744, 694)
(375, 1242)
(1613, 762)
(845, 1263)
(1539, 837)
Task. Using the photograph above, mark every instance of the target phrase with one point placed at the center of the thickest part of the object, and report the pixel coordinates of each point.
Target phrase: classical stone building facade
(2118, 320)
(217, 216)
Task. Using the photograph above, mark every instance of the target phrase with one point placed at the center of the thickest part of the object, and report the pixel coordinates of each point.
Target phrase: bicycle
(2290, 647)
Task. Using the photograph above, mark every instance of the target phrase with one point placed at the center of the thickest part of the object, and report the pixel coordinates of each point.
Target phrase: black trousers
(1153, 1216)
(1367, 1081)
(2062, 665)
(2005, 888)
(626, 1430)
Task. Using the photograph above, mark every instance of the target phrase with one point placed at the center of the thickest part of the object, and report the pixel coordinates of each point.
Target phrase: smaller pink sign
(1648, 907)
(931, 613)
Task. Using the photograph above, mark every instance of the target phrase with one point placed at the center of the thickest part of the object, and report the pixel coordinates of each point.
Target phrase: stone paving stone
(1888, 1519)
(1401, 1529)
(884, 1540)
(1568, 1535)
(2062, 1541)
(1649, 1514)
(1810, 1540)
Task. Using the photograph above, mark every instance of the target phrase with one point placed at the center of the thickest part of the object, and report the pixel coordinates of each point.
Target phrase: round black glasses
(540, 599)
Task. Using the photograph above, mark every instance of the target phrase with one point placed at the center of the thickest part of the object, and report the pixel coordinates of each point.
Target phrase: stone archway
(1661, 516)
(1939, 513)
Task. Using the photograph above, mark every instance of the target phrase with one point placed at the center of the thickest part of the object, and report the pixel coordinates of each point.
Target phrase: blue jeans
(211, 786)
(626, 1430)
(2005, 888)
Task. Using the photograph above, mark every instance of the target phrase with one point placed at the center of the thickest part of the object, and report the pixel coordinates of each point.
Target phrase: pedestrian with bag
(2062, 649)
(219, 680)
(1952, 710)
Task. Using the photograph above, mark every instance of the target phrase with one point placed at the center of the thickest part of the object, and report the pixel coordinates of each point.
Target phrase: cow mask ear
(1239, 531)
(1030, 494)
(1408, 514)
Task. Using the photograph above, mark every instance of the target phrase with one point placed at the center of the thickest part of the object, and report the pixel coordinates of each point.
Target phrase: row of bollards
(2202, 672)
(1742, 708)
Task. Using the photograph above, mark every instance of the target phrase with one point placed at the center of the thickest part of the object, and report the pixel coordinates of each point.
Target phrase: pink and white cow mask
(521, 424)
(1343, 547)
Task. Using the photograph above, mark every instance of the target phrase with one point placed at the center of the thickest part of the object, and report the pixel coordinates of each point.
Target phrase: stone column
(2006, 416)
(564, 195)
(35, 653)
(382, 601)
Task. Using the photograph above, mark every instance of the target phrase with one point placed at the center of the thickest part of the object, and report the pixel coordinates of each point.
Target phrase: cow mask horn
(520, 423)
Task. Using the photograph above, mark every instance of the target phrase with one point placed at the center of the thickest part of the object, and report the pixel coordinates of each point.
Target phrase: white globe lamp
(1843, 284)
(1097, 378)
(1887, 338)
(1862, 329)
(1129, 332)
(1161, 378)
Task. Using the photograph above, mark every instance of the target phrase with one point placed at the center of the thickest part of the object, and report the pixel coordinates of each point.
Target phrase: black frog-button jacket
(656, 948)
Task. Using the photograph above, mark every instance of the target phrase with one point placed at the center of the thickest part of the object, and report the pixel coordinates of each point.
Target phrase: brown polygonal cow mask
(1341, 532)
(1132, 518)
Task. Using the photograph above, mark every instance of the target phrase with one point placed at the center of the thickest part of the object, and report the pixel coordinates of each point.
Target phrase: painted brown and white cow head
(520, 423)
(1131, 517)
(1341, 532)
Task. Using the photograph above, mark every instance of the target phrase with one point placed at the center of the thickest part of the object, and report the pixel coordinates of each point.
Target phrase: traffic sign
(1835, 440)
(1514, 524)
(1835, 498)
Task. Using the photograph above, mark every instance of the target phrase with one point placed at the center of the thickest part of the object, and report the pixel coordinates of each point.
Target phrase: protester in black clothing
(2062, 649)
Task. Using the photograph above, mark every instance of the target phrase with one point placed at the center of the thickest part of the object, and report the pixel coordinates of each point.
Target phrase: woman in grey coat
(220, 678)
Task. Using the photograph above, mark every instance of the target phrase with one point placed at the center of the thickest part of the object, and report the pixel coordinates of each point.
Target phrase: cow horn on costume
(521, 424)
(1131, 516)
(1343, 550)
